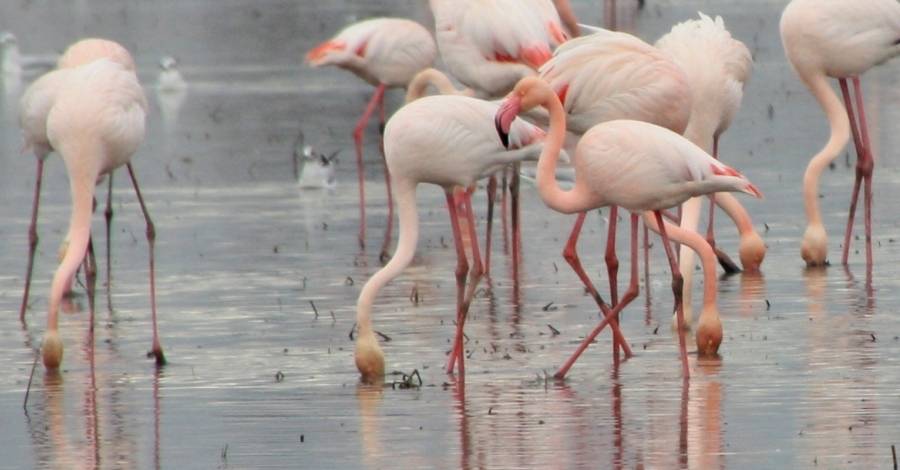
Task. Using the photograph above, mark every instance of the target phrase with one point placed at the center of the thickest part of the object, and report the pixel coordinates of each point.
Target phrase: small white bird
(170, 79)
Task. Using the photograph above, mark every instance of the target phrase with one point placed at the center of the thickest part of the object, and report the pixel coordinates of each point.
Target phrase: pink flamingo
(449, 141)
(489, 45)
(840, 39)
(34, 107)
(96, 122)
(717, 66)
(386, 53)
(606, 76)
(641, 167)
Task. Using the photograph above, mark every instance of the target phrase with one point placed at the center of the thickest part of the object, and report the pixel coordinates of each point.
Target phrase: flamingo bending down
(636, 165)
(34, 107)
(386, 53)
(840, 39)
(96, 122)
(717, 67)
(448, 141)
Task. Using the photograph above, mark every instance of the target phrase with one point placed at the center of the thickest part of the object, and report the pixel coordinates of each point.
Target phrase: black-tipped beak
(504, 136)
(505, 116)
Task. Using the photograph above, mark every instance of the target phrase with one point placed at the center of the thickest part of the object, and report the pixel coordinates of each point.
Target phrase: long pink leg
(515, 219)
(358, 132)
(108, 215)
(610, 14)
(90, 278)
(491, 194)
(462, 268)
(867, 167)
(156, 350)
(609, 315)
(677, 286)
(32, 236)
(860, 155)
(475, 274)
(710, 234)
(612, 262)
(383, 256)
(503, 212)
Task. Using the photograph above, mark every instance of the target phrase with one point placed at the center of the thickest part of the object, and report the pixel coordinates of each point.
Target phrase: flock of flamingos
(636, 124)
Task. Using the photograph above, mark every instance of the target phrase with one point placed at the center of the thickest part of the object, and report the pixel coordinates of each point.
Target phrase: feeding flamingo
(636, 165)
(840, 39)
(449, 141)
(717, 67)
(95, 121)
(386, 53)
(34, 107)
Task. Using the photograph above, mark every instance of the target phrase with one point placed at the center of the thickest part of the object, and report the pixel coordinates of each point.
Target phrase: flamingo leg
(462, 268)
(383, 256)
(515, 218)
(156, 350)
(612, 262)
(108, 215)
(647, 260)
(609, 315)
(677, 286)
(866, 166)
(710, 228)
(32, 237)
(358, 132)
(860, 152)
(491, 194)
(90, 277)
(504, 184)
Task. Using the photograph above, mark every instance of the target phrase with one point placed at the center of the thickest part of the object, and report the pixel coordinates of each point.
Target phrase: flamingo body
(387, 51)
(489, 46)
(609, 75)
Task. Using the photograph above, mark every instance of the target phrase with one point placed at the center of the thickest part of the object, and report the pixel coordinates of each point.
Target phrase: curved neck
(405, 196)
(556, 198)
(840, 134)
(703, 250)
(433, 77)
(82, 179)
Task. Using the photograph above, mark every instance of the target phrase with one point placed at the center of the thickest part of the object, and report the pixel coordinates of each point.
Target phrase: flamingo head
(527, 94)
(324, 53)
(369, 358)
(752, 251)
(52, 349)
(814, 247)
(709, 332)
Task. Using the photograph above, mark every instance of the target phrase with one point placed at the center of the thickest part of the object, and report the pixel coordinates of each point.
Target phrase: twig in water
(315, 310)
(894, 454)
(385, 337)
(31, 377)
(553, 330)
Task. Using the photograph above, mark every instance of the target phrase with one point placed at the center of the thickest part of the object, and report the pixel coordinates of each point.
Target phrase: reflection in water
(705, 438)
(752, 293)
(369, 397)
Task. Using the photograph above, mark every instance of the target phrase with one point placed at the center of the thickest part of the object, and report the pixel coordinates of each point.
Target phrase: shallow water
(808, 372)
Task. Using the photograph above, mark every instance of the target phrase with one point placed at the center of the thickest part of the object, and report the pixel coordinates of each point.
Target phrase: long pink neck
(405, 196)
(840, 134)
(556, 198)
(82, 180)
(432, 77)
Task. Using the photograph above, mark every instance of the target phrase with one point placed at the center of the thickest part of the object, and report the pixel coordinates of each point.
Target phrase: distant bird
(170, 79)
(386, 53)
(840, 39)
(449, 141)
(11, 62)
(717, 66)
(317, 171)
(638, 166)
(34, 108)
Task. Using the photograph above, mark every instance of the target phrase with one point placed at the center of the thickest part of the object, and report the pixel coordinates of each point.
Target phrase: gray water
(808, 373)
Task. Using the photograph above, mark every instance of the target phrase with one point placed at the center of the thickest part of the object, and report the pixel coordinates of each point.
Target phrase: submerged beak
(505, 116)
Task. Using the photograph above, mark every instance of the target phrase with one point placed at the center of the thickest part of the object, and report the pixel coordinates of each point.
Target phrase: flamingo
(717, 66)
(446, 140)
(641, 167)
(840, 39)
(96, 122)
(489, 45)
(386, 53)
(34, 107)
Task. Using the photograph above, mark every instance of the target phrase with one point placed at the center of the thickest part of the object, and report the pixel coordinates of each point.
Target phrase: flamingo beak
(505, 116)
(754, 191)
